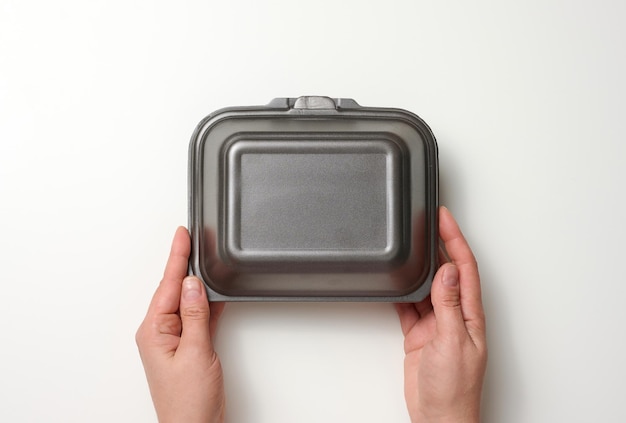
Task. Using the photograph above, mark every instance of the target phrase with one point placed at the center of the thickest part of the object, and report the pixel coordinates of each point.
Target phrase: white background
(98, 101)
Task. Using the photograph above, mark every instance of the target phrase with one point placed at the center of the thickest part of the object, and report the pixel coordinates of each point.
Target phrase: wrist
(450, 420)
(455, 420)
(466, 416)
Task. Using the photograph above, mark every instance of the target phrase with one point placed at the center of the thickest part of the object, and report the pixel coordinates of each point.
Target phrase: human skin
(175, 344)
(445, 340)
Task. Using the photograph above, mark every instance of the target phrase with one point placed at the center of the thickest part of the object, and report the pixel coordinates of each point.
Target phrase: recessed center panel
(331, 200)
(327, 201)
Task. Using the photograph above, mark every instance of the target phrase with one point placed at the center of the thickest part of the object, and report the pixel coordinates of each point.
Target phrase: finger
(446, 299)
(408, 315)
(177, 263)
(167, 297)
(442, 254)
(462, 256)
(195, 316)
(216, 310)
(424, 307)
(454, 242)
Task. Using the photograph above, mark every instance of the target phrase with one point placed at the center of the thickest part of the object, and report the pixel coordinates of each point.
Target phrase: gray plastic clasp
(314, 102)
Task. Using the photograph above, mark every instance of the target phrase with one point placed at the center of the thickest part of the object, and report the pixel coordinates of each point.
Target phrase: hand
(445, 343)
(175, 344)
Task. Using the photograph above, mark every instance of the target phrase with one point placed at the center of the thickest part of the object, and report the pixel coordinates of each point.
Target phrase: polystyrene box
(313, 199)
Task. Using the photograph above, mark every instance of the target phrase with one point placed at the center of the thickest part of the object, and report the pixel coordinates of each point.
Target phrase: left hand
(175, 344)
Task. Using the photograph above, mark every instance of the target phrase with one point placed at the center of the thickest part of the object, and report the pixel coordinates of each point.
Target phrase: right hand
(445, 342)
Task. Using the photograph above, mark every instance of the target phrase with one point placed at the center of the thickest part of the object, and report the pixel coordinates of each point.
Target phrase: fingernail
(451, 276)
(191, 288)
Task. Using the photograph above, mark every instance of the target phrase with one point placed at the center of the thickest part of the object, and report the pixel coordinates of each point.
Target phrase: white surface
(98, 101)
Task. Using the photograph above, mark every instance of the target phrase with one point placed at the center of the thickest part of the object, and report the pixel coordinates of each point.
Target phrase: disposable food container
(313, 199)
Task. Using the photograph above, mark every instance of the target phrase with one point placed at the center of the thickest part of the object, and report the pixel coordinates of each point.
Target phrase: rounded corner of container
(214, 295)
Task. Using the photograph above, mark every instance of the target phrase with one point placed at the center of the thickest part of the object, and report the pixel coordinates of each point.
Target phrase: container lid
(313, 199)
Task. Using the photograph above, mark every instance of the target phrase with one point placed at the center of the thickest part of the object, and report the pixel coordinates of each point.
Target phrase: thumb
(194, 315)
(446, 299)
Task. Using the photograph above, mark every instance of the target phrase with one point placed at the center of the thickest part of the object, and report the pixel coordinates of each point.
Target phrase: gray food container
(313, 199)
